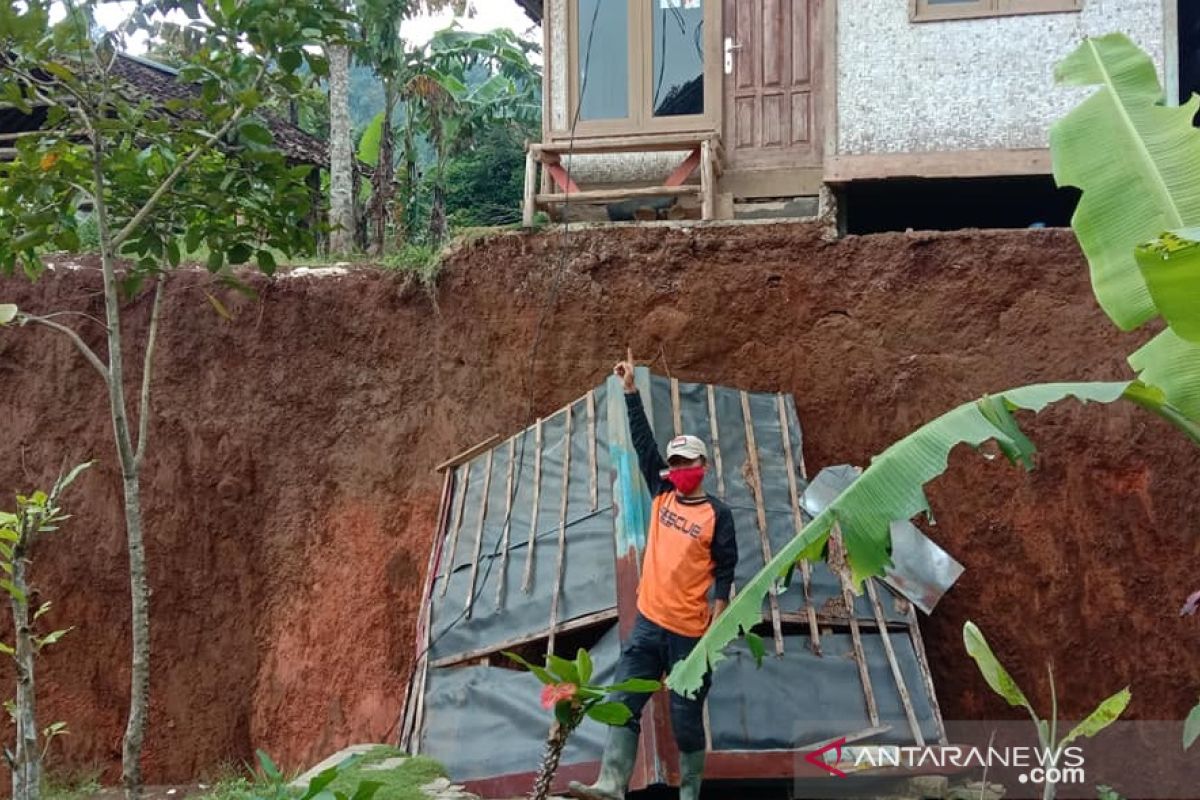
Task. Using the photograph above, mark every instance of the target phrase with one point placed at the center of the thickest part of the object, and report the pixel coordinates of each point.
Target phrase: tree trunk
(383, 182)
(555, 744)
(27, 762)
(139, 596)
(410, 181)
(341, 165)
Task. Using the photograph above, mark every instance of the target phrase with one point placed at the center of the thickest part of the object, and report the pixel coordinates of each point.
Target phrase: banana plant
(1134, 160)
(567, 688)
(1002, 683)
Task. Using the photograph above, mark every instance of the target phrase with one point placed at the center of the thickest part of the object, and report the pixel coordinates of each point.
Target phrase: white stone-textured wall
(555, 15)
(966, 84)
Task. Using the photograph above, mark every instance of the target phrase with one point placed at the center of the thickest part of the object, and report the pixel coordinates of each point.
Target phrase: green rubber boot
(691, 772)
(615, 768)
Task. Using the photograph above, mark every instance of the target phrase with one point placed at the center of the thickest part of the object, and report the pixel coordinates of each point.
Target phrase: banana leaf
(1134, 159)
(892, 488)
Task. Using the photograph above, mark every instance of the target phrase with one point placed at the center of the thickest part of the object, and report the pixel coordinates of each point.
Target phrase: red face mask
(686, 479)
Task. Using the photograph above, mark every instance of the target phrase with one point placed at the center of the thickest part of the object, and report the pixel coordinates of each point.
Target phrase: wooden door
(772, 101)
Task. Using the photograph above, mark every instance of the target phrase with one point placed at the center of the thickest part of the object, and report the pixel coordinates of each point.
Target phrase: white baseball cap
(688, 447)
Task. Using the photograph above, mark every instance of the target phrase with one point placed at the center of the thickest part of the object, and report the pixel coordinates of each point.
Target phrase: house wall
(976, 84)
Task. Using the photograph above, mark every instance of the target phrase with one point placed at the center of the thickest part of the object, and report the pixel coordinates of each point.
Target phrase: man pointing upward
(691, 549)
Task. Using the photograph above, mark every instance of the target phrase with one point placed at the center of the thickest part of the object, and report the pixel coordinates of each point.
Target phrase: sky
(489, 14)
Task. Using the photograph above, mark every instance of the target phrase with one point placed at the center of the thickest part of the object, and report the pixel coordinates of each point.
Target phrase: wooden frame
(640, 118)
(923, 11)
(961, 164)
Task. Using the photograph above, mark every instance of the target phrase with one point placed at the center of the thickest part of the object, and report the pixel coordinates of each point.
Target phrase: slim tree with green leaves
(161, 181)
(35, 516)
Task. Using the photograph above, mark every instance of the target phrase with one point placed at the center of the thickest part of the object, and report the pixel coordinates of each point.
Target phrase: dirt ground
(290, 491)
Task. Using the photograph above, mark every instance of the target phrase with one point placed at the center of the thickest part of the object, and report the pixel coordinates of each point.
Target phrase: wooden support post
(562, 532)
(527, 581)
(708, 187)
(529, 206)
(591, 434)
(458, 515)
(755, 480)
(837, 562)
(716, 441)
(414, 696)
(814, 632)
(483, 509)
(901, 686)
(504, 535)
(914, 630)
(676, 412)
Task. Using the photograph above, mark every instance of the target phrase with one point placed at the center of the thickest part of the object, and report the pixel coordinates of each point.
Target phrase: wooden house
(744, 108)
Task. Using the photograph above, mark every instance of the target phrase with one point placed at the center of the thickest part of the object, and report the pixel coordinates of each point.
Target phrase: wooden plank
(826, 620)
(529, 204)
(415, 690)
(594, 485)
(747, 184)
(468, 454)
(598, 195)
(562, 531)
(527, 580)
(504, 535)
(708, 183)
(619, 144)
(837, 563)
(425, 618)
(458, 515)
(483, 508)
(961, 164)
(676, 411)
(685, 169)
(849, 738)
(716, 440)
(827, 59)
(761, 512)
(814, 632)
(595, 618)
(890, 652)
(914, 630)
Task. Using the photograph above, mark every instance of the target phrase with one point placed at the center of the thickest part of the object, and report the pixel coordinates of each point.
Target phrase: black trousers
(650, 652)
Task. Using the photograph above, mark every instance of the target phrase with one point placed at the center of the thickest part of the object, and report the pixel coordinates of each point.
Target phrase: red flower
(554, 693)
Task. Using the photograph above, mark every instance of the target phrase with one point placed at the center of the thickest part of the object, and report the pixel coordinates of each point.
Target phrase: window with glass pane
(677, 79)
(603, 57)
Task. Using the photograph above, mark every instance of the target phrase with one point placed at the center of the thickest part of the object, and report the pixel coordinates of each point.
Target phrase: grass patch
(402, 783)
(423, 260)
(70, 786)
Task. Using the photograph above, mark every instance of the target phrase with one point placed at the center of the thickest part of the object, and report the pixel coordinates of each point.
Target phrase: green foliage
(1131, 199)
(484, 184)
(1003, 684)
(1191, 727)
(423, 260)
(402, 782)
(70, 786)
(567, 689)
(200, 171)
(368, 145)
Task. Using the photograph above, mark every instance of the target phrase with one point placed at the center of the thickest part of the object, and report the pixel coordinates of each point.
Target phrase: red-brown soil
(290, 491)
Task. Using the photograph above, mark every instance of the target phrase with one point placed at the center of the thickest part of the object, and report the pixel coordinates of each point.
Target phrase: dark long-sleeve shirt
(691, 545)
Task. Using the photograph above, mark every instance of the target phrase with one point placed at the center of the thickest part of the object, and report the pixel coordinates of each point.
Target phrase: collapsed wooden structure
(537, 549)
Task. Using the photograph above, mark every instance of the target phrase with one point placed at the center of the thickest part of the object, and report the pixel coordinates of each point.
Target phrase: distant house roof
(161, 82)
(533, 8)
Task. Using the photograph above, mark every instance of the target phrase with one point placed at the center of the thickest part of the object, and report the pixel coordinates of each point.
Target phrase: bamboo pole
(837, 562)
(458, 515)
(889, 651)
(562, 532)
(591, 434)
(527, 581)
(483, 509)
(716, 441)
(814, 632)
(760, 511)
(504, 536)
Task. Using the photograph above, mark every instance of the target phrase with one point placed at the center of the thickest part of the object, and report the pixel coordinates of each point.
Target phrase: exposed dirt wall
(290, 495)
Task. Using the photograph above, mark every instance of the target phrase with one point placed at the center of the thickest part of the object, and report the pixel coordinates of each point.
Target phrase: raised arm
(649, 459)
